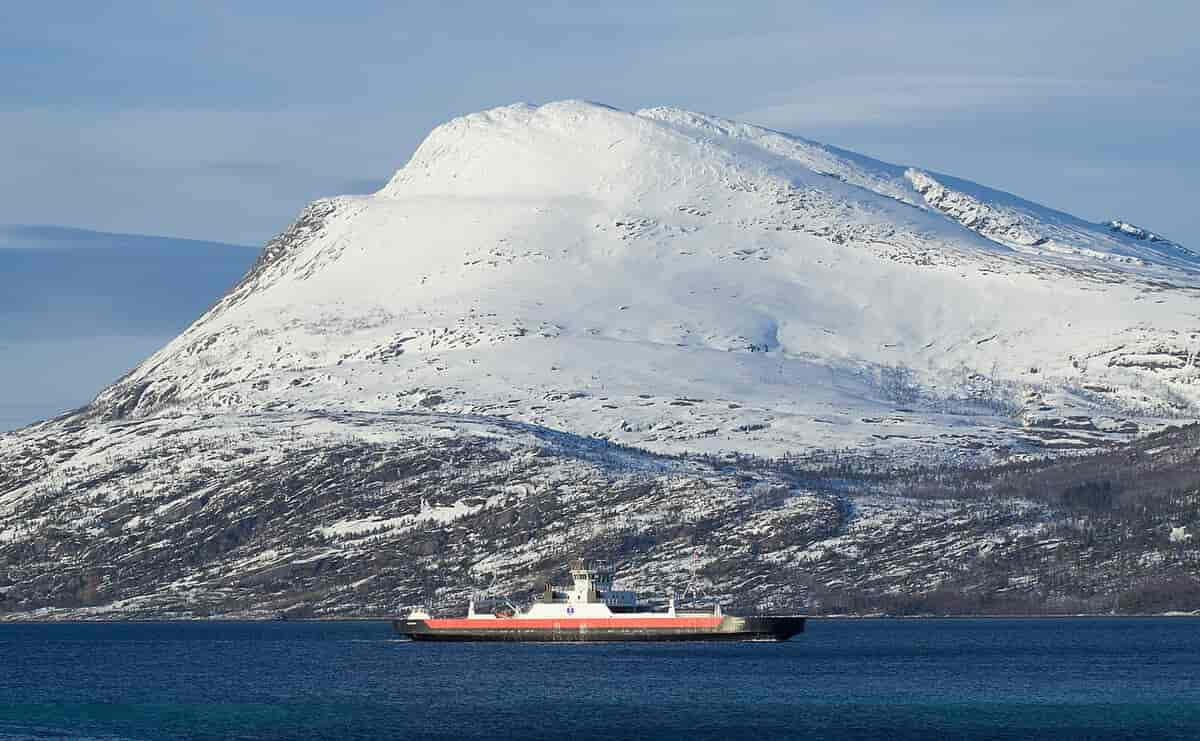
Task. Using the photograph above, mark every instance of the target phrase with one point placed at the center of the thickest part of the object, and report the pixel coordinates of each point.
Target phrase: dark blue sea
(843, 679)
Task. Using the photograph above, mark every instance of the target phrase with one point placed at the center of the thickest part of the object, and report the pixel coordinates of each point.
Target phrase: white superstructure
(590, 595)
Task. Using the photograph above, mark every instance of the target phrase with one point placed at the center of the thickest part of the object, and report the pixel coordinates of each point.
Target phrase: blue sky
(80, 308)
(218, 121)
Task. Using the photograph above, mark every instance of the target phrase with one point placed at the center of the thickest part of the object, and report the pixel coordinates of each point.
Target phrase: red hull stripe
(570, 623)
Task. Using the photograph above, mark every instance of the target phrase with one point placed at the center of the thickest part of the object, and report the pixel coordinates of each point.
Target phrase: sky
(78, 309)
(218, 121)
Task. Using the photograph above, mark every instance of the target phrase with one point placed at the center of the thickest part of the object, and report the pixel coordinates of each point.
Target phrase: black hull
(730, 629)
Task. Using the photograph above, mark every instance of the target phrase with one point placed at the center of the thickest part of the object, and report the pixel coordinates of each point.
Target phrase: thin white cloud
(921, 98)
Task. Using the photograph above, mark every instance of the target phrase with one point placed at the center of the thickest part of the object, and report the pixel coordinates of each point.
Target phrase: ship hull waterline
(726, 628)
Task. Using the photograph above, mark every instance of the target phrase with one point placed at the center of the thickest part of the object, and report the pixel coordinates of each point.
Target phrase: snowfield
(607, 291)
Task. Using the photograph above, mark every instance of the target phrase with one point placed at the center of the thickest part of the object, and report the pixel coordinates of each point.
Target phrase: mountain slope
(660, 337)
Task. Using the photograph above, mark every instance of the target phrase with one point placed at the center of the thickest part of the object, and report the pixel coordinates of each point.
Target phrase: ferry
(591, 610)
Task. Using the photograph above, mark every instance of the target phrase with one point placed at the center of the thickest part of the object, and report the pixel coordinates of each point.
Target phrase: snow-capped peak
(685, 282)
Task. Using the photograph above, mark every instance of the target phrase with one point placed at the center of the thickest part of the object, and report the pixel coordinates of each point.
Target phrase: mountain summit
(682, 282)
(688, 345)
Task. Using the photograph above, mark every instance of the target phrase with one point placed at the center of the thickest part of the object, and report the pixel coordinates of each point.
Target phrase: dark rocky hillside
(301, 515)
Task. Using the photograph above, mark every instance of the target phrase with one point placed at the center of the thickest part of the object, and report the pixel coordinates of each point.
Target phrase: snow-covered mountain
(681, 282)
(476, 366)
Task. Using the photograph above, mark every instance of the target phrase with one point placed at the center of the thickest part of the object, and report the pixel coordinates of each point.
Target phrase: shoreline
(830, 618)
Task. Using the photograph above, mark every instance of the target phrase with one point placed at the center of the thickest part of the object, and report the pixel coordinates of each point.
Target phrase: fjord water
(845, 679)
